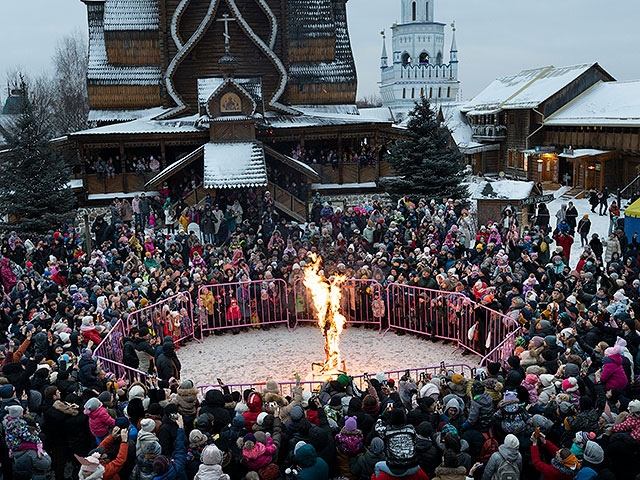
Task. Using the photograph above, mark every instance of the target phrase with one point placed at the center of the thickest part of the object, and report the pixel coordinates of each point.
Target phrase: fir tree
(34, 187)
(425, 164)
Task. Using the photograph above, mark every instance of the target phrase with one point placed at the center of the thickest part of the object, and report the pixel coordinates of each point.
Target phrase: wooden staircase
(288, 204)
(196, 196)
(573, 194)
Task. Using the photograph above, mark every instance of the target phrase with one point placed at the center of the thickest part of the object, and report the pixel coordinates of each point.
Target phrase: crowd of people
(109, 166)
(363, 155)
(564, 405)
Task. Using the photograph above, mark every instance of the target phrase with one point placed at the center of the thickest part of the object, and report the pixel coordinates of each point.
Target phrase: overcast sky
(495, 37)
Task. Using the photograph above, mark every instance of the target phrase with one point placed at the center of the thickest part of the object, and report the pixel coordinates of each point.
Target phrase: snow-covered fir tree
(425, 164)
(34, 185)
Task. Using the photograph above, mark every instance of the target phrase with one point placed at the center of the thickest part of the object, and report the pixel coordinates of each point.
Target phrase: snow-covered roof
(100, 71)
(331, 109)
(131, 15)
(526, 89)
(583, 152)
(460, 129)
(234, 165)
(342, 186)
(613, 104)
(503, 190)
(123, 115)
(175, 167)
(381, 113)
(252, 86)
(146, 125)
(317, 119)
(76, 183)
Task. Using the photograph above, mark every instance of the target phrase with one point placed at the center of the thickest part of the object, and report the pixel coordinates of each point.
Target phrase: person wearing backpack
(506, 463)
(477, 427)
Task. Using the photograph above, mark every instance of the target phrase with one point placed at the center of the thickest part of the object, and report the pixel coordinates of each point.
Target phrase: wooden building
(201, 84)
(599, 133)
(511, 112)
(493, 197)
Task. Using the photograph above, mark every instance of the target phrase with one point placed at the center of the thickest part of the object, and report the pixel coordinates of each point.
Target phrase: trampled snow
(258, 355)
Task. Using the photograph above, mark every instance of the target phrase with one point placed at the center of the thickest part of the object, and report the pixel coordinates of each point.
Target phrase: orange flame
(326, 297)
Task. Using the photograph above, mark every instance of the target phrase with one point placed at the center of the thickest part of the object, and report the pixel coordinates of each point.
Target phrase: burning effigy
(326, 295)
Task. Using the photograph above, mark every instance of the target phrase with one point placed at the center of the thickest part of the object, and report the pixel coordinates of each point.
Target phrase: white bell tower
(415, 67)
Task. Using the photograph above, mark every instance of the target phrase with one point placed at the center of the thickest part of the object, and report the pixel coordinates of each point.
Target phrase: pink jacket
(613, 375)
(260, 455)
(100, 421)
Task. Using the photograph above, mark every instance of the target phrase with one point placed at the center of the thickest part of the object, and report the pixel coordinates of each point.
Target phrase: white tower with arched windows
(416, 67)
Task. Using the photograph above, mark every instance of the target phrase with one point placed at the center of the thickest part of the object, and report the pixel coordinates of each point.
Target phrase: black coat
(214, 404)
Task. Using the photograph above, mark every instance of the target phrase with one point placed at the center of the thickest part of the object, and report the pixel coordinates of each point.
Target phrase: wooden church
(225, 94)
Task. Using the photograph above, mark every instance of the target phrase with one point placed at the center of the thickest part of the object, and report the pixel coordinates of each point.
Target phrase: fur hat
(634, 407)
(271, 387)
(197, 438)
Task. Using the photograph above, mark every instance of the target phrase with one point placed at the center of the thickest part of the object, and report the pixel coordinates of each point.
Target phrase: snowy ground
(599, 224)
(258, 355)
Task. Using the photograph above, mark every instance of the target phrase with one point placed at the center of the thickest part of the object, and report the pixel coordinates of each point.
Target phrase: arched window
(426, 12)
(424, 58)
(414, 11)
(439, 59)
(406, 59)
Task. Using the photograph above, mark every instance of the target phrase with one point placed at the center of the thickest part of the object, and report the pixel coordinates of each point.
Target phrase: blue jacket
(178, 461)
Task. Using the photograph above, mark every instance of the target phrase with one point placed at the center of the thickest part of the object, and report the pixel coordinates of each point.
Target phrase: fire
(326, 296)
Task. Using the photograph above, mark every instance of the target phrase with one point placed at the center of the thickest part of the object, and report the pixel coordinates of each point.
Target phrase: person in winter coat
(168, 364)
(311, 466)
(168, 431)
(187, 401)
(363, 466)
(426, 451)
(584, 226)
(348, 444)
(631, 423)
(173, 468)
(612, 245)
(211, 465)
(564, 464)
(480, 417)
(214, 404)
(97, 465)
(257, 450)
(449, 470)
(254, 402)
(613, 375)
(512, 416)
(145, 435)
(507, 453)
(548, 389)
(21, 441)
(100, 422)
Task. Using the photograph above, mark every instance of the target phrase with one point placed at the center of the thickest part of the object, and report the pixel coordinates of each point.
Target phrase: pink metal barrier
(109, 352)
(362, 302)
(172, 317)
(504, 349)
(286, 388)
(243, 304)
(448, 316)
(424, 311)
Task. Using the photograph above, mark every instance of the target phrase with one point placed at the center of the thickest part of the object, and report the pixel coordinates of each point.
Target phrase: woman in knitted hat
(507, 458)
(145, 435)
(197, 442)
(564, 464)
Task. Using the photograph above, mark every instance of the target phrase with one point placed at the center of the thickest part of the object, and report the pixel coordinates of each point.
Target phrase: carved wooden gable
(230, 100)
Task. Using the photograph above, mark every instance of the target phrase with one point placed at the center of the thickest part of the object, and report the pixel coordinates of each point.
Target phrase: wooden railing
(287, 202)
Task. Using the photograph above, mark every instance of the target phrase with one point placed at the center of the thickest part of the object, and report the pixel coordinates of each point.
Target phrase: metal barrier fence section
(171, 317)
(362, 302)
(109, 352)
(243, 304)
(449, 316)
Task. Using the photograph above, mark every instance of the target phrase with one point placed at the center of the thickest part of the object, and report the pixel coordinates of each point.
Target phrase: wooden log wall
(322, 94)
(133, 48)
(312, 50)
(107, 97)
